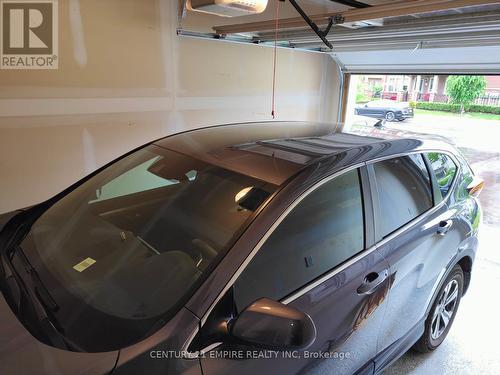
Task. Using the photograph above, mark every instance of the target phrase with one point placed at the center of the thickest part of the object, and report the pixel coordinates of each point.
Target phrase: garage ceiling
(460, 36)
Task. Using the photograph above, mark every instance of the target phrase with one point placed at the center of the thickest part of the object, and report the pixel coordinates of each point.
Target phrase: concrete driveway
(472, 344)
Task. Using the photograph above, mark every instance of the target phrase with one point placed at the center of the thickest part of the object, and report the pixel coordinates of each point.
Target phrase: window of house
(325, 229)
(422, 83)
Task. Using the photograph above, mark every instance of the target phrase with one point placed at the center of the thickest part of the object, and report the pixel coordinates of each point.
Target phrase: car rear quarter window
(404, 191)
(444, 170)
(324, 230)
(465, 178)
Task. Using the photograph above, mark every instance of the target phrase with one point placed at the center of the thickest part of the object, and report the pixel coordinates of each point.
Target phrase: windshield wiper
(35, 283)
(34, 290)
(26, 294)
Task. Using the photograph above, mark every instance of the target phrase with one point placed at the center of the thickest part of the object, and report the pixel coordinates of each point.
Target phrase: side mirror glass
(380, 123)
(273, 325)
(475, 187)
(251, 198)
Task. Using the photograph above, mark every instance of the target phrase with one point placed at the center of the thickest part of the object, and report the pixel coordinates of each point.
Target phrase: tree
(360, 91)
(464, 90)
(377, 90)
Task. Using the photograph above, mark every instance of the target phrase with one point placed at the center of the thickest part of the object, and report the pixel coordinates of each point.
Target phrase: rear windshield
(121, 253)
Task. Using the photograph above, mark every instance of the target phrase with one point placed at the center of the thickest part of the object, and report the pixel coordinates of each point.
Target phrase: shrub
(455, 108)
(482, 109)
(413, 104)
(361, 98)
(446, 107)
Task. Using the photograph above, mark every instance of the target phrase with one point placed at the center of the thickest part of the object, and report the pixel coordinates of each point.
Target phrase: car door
(318, 259)
(379, 110)
(369, 110)
(410, 234)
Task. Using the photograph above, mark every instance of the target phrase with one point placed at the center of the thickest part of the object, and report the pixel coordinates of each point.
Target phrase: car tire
(435, 334)
(390, 116)
(401, 119)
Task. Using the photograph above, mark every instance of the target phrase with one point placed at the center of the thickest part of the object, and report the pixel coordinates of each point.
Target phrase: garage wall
(126, 78)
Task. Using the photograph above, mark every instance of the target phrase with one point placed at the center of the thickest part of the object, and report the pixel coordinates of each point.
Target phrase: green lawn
(472, 115)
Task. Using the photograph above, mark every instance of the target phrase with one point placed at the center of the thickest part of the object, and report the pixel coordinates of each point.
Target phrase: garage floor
(472, 344)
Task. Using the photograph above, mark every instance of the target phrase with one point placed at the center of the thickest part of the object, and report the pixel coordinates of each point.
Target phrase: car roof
(276, 151)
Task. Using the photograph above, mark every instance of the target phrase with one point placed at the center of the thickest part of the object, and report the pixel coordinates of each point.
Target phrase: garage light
(228, 8)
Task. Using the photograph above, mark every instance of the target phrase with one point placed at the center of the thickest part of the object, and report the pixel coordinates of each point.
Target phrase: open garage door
(460, 43)
(463, 40)
(458, 59)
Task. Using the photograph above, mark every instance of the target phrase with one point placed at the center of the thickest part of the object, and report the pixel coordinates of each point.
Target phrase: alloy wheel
(445, 309)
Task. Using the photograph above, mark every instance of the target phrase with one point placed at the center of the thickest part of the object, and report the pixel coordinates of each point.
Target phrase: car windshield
(122, 252)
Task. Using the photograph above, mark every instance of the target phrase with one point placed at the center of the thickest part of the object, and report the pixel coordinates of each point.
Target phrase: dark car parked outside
(385, 110)
(247, 248)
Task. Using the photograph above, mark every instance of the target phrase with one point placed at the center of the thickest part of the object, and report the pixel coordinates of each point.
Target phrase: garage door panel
(473, 60)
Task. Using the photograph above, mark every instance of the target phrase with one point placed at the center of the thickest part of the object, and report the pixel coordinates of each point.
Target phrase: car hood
(21, 353)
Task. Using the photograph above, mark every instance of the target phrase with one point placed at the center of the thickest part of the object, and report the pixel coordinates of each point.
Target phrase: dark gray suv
(247, 248)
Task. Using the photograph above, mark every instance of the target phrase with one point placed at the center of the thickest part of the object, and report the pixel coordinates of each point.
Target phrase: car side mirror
(475, 187)
(273, 325)
(380, 123)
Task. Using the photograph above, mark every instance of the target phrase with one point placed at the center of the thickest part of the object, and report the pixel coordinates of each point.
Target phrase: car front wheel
(389, 116)
(443, 312)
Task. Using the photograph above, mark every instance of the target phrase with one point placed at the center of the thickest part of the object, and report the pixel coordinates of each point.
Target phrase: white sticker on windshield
(84, 264)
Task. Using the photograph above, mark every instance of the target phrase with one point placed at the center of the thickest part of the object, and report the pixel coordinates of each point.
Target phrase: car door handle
(444, 226)
(372, 281)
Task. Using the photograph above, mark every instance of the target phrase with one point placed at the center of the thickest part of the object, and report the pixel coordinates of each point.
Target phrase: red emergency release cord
(273, 105)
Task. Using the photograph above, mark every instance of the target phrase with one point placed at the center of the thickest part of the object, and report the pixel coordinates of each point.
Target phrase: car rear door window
(324, 230)
(444, 169)
(404, 191)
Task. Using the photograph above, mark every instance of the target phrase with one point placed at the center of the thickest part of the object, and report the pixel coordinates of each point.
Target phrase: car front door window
(404, 191)
(322, 231)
